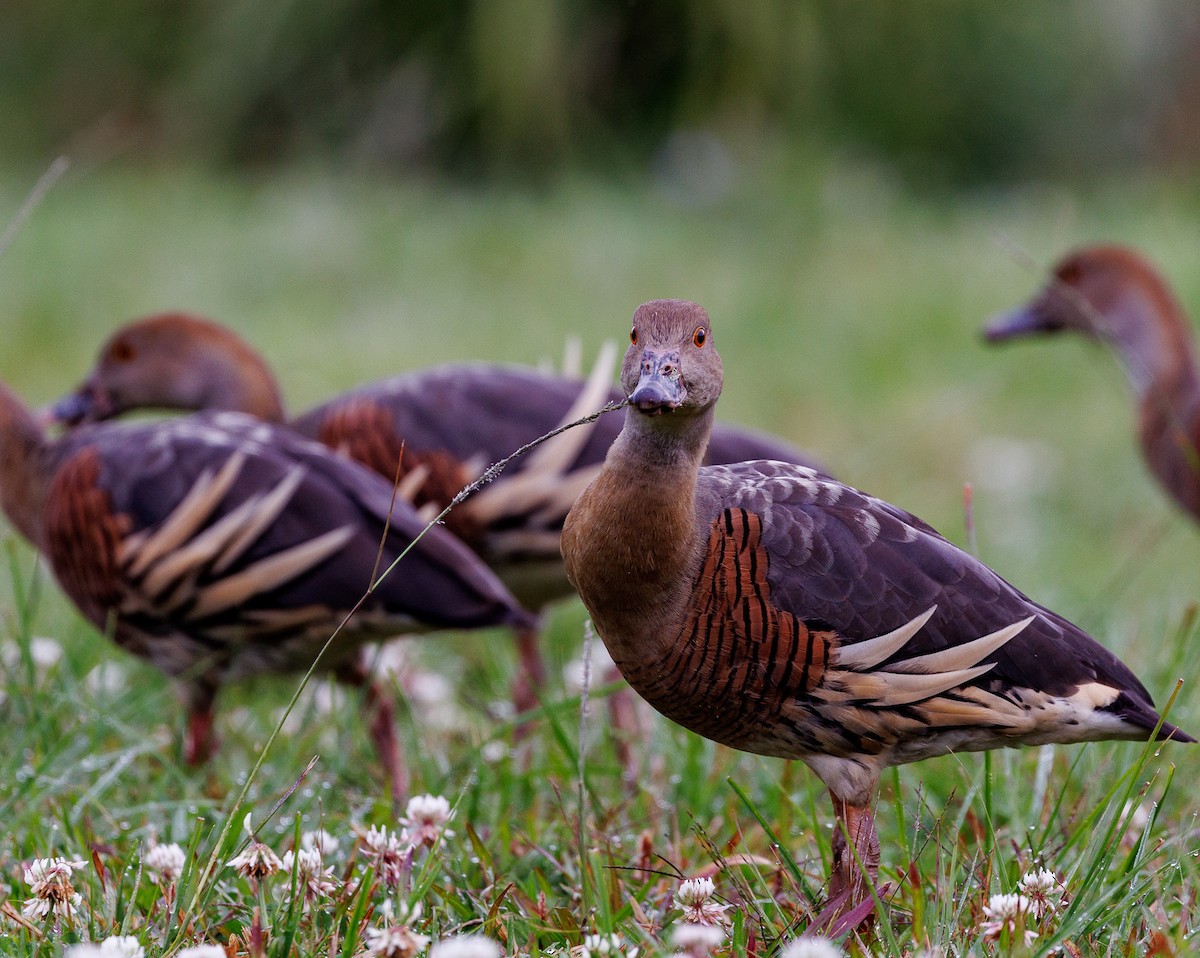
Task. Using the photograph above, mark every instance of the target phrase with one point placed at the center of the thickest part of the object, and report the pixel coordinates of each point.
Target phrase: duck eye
(1070, 274)
(700, 336)
(122, 351)
(633, 335)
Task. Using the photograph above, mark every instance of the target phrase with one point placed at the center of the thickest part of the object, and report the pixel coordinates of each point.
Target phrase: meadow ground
(847, 311)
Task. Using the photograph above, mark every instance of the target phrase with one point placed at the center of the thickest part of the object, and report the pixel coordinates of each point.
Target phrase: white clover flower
(1006, 913)
(601, 665)
(391, 660)
(202, 951)
(37, 909)
(390, 853)
(430, 693)
(466, 946)
(122, 946)
(109, 678)
(396, 939)
(696, 941)
(165, 862)
(53, 894)
(695, 897)
(256, 860)
(86, 950)
(814, 946)
(426, 817)
(402, 914)
(434, 697)
(612, 944)
(316, 880)
(43, 871)
(44, 653)
(1045, 892)
(321, 841)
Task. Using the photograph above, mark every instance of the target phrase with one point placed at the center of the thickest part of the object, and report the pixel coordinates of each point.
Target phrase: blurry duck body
(772, 609)
(1113, 295)
(219, 547)
(436, 429)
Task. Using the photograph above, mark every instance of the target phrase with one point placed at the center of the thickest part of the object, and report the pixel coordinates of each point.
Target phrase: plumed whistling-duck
(218, 546)
(1112, 294)
(452, 422)
(775, 610)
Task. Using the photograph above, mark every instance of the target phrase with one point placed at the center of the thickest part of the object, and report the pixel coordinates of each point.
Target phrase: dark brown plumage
(218, 546)
(451, 422)
(773, 609)
(1114, 295)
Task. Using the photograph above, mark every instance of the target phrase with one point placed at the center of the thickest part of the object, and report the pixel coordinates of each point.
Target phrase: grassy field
(847, 312)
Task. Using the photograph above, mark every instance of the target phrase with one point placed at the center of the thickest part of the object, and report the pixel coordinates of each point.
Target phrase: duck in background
(773, 609)
(218, 547)
(1113, 295)
(434, 431)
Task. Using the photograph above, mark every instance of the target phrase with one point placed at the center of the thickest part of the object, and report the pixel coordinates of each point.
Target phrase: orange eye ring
(700, 336)
(633, 335)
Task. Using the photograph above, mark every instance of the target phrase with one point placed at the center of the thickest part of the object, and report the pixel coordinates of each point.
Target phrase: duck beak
(1023, 321)
(83, 405)
(660, 386)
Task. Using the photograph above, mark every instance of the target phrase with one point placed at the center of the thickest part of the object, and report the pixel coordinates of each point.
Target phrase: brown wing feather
(364, 430)
(83, 536)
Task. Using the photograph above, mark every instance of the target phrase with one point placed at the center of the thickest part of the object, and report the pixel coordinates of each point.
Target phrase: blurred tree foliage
(948, 90)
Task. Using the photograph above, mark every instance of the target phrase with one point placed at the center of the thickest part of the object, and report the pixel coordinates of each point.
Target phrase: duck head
(671, 368)
(1098, 291)
(172, 361)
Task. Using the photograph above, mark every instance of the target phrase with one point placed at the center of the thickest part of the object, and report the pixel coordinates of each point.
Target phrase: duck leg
(381, 720)
(857, 824)
(623, 718)
(530, 679)
(851, 903)
(199, 737)
(380, 715)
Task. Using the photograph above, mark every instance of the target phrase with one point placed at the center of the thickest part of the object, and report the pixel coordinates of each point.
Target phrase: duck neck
(1150, 333)
(241, 382)
(643, 539)
(1152, 337)
(21, 446)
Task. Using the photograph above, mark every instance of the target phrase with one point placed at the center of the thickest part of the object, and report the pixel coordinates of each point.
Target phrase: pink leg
(622, 715)
(380, 716)
(850, 885)
(531, 675)
(199, 738)
(858, 823)
(382, 724)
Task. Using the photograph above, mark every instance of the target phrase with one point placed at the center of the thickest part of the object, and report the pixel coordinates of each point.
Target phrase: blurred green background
(850, 188)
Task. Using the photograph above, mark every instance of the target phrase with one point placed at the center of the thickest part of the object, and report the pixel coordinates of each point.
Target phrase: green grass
(847, 314)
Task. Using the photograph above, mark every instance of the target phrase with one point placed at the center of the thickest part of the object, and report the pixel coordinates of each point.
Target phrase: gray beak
(660, 386)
